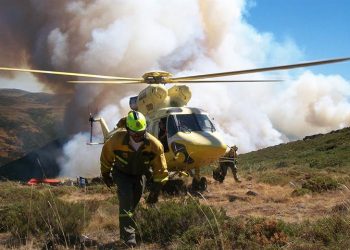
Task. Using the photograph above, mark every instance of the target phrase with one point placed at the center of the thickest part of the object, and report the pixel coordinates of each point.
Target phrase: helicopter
(189, 137)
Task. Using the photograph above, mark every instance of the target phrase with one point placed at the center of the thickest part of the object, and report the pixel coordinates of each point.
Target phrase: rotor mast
(157, 77)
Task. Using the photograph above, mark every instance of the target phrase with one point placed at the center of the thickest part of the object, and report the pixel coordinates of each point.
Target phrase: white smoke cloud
(57, 42)
(311, 104)
(80, 159)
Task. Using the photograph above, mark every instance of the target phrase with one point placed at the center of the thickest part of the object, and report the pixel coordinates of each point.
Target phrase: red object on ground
(51, 181)
(35, 181)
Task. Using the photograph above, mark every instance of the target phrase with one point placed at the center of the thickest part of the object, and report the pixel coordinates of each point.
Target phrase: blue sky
(321, 29)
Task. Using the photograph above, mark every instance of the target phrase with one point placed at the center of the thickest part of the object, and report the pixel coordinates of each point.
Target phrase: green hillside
(318, 155)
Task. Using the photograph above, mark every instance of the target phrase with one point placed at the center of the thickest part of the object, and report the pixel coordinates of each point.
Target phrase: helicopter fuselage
(189, 137)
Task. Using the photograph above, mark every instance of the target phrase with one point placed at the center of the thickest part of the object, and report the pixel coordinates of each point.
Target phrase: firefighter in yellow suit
(228, 160)
(126, 159)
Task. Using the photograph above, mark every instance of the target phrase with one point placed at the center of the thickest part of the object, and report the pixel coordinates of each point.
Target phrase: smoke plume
(128, 38)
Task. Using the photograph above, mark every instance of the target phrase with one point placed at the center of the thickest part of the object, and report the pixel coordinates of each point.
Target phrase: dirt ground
(249, 198)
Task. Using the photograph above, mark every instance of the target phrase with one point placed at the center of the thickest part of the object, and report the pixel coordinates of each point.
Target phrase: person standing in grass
(126, 159)
(228, 160)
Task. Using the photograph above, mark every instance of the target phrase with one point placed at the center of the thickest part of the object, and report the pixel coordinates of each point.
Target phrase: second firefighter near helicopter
(228, 160)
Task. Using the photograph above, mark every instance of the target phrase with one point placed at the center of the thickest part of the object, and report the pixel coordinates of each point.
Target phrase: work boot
(235, 177)
(129, 237)
(131, 243)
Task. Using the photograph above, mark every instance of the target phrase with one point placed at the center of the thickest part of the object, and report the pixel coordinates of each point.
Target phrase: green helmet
(136, 121)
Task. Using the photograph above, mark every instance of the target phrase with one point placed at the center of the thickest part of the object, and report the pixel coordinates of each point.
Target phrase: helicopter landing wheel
(175, 187)
(203, 184)
(200, 185)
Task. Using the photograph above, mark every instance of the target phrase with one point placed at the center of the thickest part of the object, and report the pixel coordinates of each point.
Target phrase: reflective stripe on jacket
(117, 153)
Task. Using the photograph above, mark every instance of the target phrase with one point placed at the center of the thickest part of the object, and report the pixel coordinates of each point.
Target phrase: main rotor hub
(157, 77)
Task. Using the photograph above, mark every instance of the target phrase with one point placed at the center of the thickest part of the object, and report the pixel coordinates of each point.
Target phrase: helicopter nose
(203, 139)
(202, 147)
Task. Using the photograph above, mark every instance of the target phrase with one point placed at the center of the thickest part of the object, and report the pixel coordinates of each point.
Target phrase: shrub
(281, 164)
(256, 232)
(172, 220)
(44, 217)
(330, 231)
(320, 184)
(301, 192)
(189, 225)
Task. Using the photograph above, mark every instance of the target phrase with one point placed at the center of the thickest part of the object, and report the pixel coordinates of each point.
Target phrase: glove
(154, 193)
(107, 179)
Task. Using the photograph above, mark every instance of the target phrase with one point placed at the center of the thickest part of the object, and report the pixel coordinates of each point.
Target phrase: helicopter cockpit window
(187, 123)
(193, 122)
(205, 123)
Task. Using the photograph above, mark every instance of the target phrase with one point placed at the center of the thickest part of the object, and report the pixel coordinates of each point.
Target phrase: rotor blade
(69, 74)
(109, 82)
(208, 81)
(248, 71)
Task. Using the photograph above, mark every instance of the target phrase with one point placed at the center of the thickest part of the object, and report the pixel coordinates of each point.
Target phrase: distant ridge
(28, 121)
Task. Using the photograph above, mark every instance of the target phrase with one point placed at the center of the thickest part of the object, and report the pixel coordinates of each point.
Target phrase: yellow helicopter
(188, 135)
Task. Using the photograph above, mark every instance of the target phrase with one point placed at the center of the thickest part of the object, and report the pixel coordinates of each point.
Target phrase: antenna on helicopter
(91, 120)
(104, 127)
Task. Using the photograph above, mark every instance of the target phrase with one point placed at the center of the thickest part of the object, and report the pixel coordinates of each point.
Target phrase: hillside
(321, 155)
(28, 121)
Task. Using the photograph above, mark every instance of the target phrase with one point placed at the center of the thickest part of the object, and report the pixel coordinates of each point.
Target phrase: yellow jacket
(232, 153)
(118, 155)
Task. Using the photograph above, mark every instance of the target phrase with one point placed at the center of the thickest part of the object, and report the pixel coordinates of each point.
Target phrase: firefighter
(228, 160)
(126, 159)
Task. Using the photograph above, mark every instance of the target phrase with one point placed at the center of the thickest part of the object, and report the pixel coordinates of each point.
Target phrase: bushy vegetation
(171, 220)
(186, 224)
(29, 212)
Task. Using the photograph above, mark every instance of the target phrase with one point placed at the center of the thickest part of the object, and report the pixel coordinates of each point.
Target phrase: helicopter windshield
(204, 122)
(189, 122)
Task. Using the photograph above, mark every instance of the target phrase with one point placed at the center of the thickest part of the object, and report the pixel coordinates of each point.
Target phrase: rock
(251, 193)
(232, 198)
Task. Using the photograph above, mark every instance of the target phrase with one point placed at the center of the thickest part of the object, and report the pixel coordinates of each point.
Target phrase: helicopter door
(162, 133)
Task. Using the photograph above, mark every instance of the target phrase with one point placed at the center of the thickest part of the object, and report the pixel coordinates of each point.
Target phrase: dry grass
(81, 196)
(272, 201)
